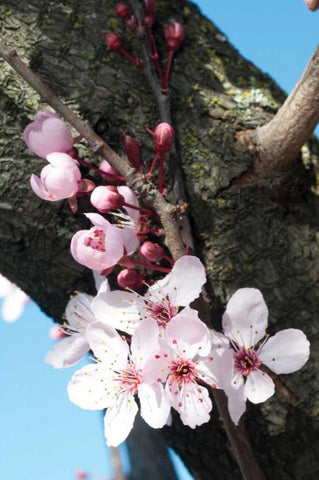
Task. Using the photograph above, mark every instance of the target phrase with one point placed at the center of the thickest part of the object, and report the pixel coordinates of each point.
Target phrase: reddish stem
(134, 60)
(149, 130)
(169, 66)
(153, 163)
(145, 211)
(151, 266)
(161, 174)
(169, 259)
(88, 165)
(154, 56)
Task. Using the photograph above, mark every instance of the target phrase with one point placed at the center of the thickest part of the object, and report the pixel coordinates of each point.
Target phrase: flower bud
(47, 134)
(130, 279)
(122, 10)
(106, 198)
(163, 137)
(152, 252)
(174, 36)
(131, 23)
(149, 7)
(312, 4)
(113, 41)
(73, 152)
(81, 475)
(56, 332)
(133, 150)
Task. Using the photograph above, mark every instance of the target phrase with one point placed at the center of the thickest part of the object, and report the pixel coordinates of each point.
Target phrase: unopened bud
(81, 475)
(163, 137)
(133, 151)
(174, 36)
(56, 332)
(122, 10)
(149, 7)
(113, 41)
(152, 252)
(106, 198)
(131, 23)
(312, 4)
(130, 279)
(73, 152)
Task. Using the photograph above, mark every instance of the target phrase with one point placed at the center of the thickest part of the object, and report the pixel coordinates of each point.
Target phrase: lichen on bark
(256, 234)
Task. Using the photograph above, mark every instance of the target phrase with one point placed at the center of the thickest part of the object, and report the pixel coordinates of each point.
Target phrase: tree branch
(279, 141)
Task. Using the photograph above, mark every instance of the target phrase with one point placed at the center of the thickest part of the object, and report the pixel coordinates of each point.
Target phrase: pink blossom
(244, 323)
(125, 310)
(56, 332)
(14, 300)
(119, 374)
(106, 198)
(60, 179)
(191, 363)
(47, 134)
(69, 350)
(100, 247)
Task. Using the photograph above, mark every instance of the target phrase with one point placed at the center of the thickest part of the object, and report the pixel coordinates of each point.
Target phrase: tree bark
(248, 234)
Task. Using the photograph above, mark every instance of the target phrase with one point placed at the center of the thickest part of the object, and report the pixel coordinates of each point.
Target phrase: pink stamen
(96, 240)
(246, 361)
(183, 371)
(130, 378)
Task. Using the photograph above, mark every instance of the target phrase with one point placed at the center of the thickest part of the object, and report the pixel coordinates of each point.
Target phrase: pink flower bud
(109, 174)
(106, 198)
(130, 279)
(56, 332)
(113, 41)
(163, 137)
(153, 252)
(122, 10)
(312, 4)
(174, 36)
(133, 150)
(131, 23)
(60, 179)
(81, 475)
(47, 134)
(100, 247)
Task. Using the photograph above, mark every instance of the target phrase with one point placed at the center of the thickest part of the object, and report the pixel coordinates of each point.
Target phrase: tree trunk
(260, 234)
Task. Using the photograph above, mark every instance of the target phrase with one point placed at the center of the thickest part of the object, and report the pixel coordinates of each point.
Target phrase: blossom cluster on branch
(151, 349)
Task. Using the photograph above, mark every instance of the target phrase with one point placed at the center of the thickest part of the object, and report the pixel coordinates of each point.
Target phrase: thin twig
(237, 435)
(135, 180)
(279, 141)
(117, 465)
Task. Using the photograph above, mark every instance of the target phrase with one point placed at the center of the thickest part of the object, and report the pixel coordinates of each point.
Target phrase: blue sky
(44, 436)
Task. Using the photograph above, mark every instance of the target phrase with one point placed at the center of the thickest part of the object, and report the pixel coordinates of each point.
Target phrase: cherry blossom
(69, 350)
(119, 374)
(100, 247)
(244, 323)
(126, 310)
(191, 364)
(14, 300)
(47, 134)
(60, 179)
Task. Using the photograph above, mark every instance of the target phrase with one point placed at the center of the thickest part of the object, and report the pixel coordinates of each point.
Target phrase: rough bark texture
(248, 234)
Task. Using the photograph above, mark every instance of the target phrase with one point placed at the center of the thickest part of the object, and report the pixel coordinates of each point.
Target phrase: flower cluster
(167, 357)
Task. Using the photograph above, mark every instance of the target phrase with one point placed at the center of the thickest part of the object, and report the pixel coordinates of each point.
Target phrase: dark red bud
(152, 252)
(73, 152)
(122, 10)
(131, 23)
(163, 137)
(148, 21)
(149, 7)
(174, 35)
(113, 41)
(133, 151)
(130, 279)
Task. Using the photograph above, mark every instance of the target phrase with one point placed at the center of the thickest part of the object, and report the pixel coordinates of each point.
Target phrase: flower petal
(145, 342)
(187, 334)
(285, 352)
(13, 304)
(78, 311)
(117, 309)
(107, 346)
(40, 190)
(192, 403)
(185, 281)
(68, 351)
(119, 419)
(259, 386)
(90, 389)
(245, 318)
(155, 407)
